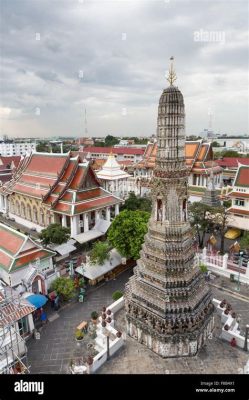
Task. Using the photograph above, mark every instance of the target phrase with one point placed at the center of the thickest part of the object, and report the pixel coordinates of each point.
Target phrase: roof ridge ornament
(172, 75)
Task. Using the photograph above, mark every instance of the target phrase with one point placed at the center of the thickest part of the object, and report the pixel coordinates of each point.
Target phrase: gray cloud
(81, 61)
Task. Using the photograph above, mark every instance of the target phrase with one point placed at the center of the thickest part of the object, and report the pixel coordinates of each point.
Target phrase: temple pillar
(64, 220)
(86, 222)
(96, 216)
(116, 209)
(108, 214)
(74, 225)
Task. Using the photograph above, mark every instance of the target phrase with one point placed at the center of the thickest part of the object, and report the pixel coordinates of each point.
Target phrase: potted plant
(103, 316)
(226, 327)
(119, 334)
(226, 311)
(108, 312)
(234, 315)
(94, 316)
(79, 335)
(109, 320)
(104, 309)
(103, 324)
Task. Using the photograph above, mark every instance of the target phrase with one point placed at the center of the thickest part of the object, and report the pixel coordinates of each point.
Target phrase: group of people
(55, 302)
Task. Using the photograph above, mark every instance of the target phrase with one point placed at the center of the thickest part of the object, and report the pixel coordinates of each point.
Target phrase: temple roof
(111, 170)
(198, 156)
(63, 183)
(18, 250)
(242, 176)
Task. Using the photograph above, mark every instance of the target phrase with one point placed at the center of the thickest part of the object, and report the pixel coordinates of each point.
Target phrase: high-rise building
(168, 302)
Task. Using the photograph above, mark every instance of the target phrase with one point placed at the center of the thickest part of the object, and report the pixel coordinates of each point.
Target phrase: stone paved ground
(57, 346)
(53, 352)
(217, 357)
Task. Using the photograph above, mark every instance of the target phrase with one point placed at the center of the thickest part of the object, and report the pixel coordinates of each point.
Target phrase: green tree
(64, 287)
(244, 241)
(117, 295)
(55, 234)
(198, 218)
(134, 203)
(100, 252)
(218, 217)
(127, 232)
(111, 140)
(215, 144)
(230, 153)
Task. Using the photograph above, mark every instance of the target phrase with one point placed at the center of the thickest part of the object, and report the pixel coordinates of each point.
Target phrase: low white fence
(224, 267)
(101, 340)
(233, 331)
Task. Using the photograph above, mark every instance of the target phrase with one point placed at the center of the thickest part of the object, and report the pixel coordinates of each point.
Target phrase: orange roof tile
(5, 260)
(91, 205)
(69, 170)
(47, 163)
(191, 149)
(78, 177)
(242, 178)
(29, 190)
(9, 240)
(26, 259)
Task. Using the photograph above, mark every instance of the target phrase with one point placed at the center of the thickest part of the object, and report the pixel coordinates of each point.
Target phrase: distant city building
(85, 141)
(134, 154)
(239, 195)
(16, 149)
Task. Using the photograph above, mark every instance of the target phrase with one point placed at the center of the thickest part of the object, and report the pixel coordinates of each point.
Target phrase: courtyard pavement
(52, 353)
(57, 347)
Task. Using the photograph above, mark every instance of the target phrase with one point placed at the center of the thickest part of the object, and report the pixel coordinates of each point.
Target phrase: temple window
(159, 210)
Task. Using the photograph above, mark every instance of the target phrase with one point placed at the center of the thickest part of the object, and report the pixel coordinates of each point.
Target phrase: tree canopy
(134, 203)
(64, 287)
(100, 252)
(55, 233)
(198, 218)
(244, 241)
(127, 232)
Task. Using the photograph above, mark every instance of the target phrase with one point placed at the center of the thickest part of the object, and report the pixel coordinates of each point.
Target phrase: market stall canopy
(95, 271)
(233, 233)
(99, 229)
(37, 300)
(65, 248)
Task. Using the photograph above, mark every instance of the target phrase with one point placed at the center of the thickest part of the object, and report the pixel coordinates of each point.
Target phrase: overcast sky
(111, 57)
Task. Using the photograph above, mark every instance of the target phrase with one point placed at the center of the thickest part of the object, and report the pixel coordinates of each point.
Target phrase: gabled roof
(9, 161)
(232, 162)
(18, 250)
(198, 155)
(242, 176)
(13, 308)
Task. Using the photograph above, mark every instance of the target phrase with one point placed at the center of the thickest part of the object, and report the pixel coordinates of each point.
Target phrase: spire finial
(172, 75)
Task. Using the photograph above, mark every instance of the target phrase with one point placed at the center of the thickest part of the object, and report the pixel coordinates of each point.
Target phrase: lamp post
(241, 253)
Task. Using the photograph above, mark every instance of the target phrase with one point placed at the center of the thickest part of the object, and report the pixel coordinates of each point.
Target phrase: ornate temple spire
(172, 75)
